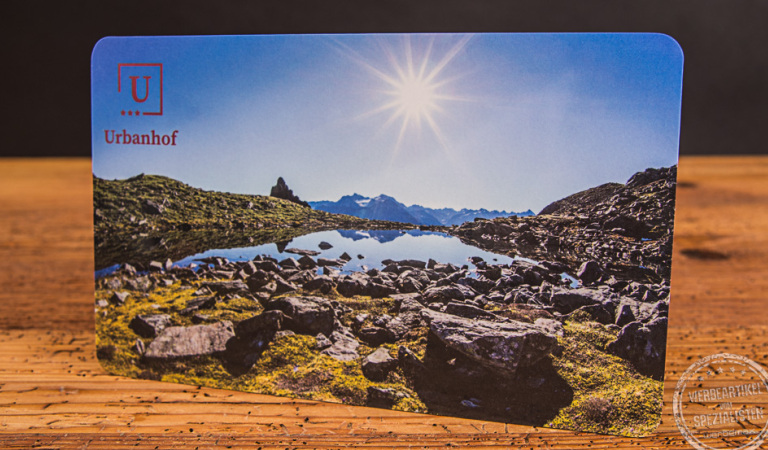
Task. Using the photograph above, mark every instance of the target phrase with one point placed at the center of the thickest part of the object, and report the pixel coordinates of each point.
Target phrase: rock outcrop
(197, 340)
(281, 190)
(499, 345)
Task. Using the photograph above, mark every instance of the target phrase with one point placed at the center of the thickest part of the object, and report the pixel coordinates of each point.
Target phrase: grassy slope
(118, 206)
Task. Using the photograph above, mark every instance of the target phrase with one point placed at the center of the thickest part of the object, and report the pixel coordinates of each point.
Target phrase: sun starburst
(415, 88)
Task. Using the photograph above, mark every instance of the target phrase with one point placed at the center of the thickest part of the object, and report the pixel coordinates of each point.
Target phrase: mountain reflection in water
(366, 248)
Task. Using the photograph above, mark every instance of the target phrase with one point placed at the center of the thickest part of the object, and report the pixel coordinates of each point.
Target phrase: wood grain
(54, 394)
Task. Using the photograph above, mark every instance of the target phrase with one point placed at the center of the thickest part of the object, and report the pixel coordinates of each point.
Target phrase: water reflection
(367, 248)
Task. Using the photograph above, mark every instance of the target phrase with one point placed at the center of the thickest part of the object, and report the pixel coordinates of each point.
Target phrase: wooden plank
(54, 394)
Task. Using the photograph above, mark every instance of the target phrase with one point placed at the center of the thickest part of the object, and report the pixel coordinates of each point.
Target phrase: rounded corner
(674, 43)
(98, 46)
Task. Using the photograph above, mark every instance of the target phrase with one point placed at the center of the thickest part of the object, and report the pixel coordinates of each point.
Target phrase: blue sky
(498, 121)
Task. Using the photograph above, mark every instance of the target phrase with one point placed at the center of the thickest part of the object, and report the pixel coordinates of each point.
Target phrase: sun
(415, 98)
(415, 87)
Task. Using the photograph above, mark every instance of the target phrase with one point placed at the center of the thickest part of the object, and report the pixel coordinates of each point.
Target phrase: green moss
(291, 365)
(293, 350)
(609, 395)
(410, 404)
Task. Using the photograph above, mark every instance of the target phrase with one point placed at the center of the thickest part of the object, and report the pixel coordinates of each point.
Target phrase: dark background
(47, 46)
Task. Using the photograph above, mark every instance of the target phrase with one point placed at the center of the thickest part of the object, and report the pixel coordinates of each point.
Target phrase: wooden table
(54, 394)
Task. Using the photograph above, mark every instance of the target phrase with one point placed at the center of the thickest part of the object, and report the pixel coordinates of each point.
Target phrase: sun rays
(414, 88)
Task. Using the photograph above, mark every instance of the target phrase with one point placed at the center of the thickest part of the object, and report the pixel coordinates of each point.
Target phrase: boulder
(602, 313)
(379, 290)
(301, 277)
(198, 303)
(289, 263)
(344, 346)
(141, 284)
(249, 268)
(309, 315)
(118, 298)
(629, 310)
(643, 346)
(301, 251)
(324, 245)
(151, 207)
(499, 346)
(330, 262)
(322, 341)
(409, 282)
(468, 311)
(589, 272)
(375, 336)
(306, 262)
(149, 326)
(268, 322)
(492, 273)
(378, 364)
(349, 286)
(282, 286)
(267, 266)
(228, 287)
(322, 283)
(624, 315)
(569, 300)
(532, 276)
(415, 263)
(551, 326)
(445, 268)
(409, 362)
(408, 302)
(257, 280)
(444, 294)
(403, 323)
(383, 397)
(197, 340)
(481, 285)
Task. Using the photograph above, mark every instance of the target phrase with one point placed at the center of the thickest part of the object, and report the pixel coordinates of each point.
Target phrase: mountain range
(384, 207)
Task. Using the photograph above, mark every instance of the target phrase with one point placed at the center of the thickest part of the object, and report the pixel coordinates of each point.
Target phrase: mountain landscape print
(468, 225)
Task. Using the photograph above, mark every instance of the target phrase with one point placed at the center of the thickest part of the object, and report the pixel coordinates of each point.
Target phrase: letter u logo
(133, 89)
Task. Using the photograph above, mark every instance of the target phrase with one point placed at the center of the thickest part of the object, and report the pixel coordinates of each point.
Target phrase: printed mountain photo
(468, 225)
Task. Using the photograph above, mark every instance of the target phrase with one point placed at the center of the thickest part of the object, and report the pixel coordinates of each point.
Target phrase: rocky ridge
(152, 204)
(626, 229)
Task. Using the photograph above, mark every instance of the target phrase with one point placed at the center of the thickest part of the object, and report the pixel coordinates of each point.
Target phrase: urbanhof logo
(141, 89)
